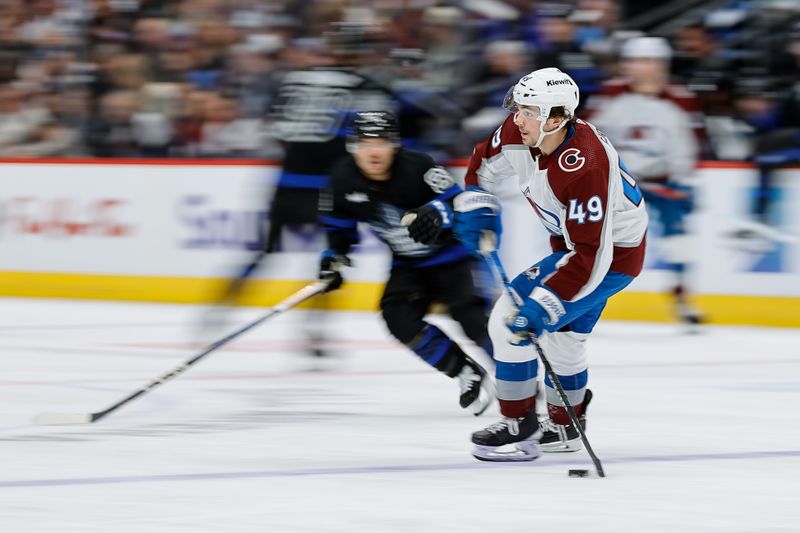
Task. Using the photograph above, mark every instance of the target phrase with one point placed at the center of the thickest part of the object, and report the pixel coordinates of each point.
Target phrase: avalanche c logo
(570, 160)
(496, 137)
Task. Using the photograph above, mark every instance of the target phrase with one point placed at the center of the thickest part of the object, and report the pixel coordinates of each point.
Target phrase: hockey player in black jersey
(379, 183)
(309, 117)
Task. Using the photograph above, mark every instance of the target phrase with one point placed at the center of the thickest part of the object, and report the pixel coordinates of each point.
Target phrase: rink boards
(171, 231)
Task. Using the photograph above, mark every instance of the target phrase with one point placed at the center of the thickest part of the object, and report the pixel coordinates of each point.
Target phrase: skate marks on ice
(394, 469)
(265, 408)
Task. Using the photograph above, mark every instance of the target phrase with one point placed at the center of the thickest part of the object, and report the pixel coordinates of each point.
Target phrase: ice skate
(477, 390)
(510, 439)
(689, 314)
(559, 438)
(686, 312)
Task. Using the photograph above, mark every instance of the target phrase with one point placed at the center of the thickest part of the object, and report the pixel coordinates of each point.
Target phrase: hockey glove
(541, 311)
(330, 266)
(431, 219)
(476, 211)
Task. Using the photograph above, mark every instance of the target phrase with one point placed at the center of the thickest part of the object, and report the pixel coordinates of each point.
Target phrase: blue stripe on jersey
(632, 192)
(303, 181)
(516, 371)
(574, 382)
(335, 222)
(629, 185)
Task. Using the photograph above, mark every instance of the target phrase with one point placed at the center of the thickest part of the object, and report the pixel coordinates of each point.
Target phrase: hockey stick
(295, 299)
(487, 249)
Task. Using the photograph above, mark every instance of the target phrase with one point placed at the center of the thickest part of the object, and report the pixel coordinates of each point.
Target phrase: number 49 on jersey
(594, 207)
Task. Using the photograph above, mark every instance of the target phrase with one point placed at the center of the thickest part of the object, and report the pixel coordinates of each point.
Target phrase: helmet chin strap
(543, 133)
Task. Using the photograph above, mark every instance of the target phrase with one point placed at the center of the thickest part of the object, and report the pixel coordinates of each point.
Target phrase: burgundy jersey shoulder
(614, 87)
(682, 97)
(580, 162)
(685, 99)
(505, 134)
(608, 90)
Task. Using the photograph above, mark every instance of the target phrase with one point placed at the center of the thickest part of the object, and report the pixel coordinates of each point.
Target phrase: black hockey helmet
(375, 125)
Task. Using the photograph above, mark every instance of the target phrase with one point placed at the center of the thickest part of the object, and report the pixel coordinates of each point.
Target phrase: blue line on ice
(386, 469)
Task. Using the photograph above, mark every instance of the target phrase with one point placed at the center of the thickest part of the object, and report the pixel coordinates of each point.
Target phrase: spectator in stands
(240, 48)
(111, 132)
(504, 63)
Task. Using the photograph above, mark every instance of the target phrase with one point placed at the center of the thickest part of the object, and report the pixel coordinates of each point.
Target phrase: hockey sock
(436, 349)
(575, 388)
(516, 387)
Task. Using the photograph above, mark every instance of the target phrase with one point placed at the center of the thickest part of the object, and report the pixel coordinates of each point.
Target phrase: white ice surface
(697, 432)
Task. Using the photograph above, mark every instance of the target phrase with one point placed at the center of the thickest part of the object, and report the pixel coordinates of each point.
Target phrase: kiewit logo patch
(571, 160)
(565, 81)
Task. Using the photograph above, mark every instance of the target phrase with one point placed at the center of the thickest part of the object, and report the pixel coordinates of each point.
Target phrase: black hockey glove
(431, 219)
(330, 266)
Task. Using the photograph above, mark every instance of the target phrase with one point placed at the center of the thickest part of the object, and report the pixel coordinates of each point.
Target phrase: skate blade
(562, 447)
(521, 451)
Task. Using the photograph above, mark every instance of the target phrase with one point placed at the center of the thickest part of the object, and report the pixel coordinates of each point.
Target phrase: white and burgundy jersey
(591, 206)
(659, 137)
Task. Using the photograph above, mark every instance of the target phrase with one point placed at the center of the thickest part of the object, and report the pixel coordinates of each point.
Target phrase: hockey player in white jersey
(572, 177)
(657, 129)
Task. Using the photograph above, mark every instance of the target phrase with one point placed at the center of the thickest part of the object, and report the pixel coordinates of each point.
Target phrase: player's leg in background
(773, 150)
(269, 233)
(678, 253)
(217, 318)
(762, 233)
(404, 303)
(469, 290)
(763, 195)
(295, 227)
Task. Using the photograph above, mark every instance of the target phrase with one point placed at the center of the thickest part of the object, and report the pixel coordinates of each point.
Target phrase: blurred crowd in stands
(196, 78)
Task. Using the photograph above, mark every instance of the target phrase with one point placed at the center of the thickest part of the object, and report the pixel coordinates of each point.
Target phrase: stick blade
(62, 419)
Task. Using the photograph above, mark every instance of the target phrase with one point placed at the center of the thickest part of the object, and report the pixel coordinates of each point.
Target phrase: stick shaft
(295, 299)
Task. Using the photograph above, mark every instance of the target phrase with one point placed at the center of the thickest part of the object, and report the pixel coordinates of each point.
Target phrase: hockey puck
(578, 473)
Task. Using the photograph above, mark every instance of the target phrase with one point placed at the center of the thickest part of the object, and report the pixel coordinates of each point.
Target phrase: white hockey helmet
(545, 89)
(646, 48)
